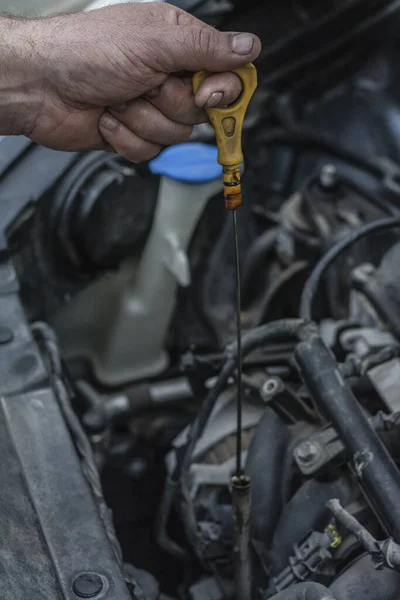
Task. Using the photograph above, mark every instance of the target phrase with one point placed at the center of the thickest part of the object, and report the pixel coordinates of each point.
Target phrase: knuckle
(171, 13)
(167, 9)
(207, 40)
(135, 116)
(192, 40)
(201, 40)
(143, 111)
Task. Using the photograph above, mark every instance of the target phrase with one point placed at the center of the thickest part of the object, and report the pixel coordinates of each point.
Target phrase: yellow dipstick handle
(228, 126)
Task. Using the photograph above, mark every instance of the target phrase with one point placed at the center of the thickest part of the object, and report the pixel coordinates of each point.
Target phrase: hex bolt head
(269, 387)
(362, 274)
(307, 452)
(88, 585)
(328, 177)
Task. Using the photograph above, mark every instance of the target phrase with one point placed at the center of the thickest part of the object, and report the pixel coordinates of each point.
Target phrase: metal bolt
(88, 585)
(6, 335)
(328, 177)
(367, 269)
(307, 452)
(214, 531)
(362, 274)
(269, 387)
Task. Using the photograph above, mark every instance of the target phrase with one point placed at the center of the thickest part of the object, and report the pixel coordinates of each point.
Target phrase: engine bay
(118, 352)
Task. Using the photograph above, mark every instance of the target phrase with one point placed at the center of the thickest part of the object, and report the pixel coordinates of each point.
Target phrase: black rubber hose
(264, 466)
(372, 465)
(384, 205)
(360, 580)
(312, 284)
(305, 591)
(283, 329)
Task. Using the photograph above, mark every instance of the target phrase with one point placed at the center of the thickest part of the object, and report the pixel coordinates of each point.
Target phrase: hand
(118, 78)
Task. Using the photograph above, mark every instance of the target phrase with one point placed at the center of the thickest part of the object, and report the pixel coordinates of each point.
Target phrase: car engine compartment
(117, 351)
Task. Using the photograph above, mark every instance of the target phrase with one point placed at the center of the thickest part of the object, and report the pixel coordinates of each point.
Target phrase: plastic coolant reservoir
(120, 322)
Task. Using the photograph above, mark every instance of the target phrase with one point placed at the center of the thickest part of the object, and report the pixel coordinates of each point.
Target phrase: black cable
(367, 541)
(311, 287)
(255, 256)
(162, 537)
(321, 223)
(384, 553)
(382, 205)
(355, 366)
(268, 299)
(324, 230)
(320, 51)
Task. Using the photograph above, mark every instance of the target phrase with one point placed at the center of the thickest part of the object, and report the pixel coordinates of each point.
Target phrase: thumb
(193, 48)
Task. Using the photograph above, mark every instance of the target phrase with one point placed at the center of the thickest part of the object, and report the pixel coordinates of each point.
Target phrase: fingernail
(214, 99)
(108, 122)
(120, 108)
(242, 43)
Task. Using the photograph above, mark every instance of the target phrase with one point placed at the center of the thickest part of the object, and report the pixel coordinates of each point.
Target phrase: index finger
(219, 89)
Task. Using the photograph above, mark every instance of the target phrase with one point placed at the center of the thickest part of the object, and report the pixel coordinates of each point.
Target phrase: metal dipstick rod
(228, 126)
(239, 398)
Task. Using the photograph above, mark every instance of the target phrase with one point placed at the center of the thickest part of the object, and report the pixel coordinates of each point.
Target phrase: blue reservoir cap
(188, 162)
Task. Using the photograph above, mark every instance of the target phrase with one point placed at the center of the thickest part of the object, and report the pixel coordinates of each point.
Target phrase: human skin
(116, 78)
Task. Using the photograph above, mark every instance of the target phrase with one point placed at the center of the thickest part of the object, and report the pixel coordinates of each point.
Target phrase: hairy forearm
(21, 75)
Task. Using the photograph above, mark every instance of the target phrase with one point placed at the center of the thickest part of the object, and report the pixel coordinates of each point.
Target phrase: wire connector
(383, 554)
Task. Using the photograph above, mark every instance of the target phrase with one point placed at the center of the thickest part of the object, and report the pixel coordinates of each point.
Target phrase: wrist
(21, 75)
